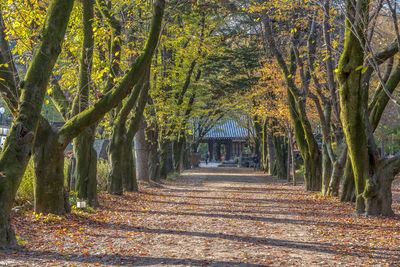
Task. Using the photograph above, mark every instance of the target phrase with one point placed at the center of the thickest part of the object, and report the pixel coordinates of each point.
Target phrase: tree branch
(80, 122)
(60, 101)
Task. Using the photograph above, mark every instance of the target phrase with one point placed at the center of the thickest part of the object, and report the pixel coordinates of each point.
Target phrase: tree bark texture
(86, 166)
(281, 156)
(50, 195)
(142, 153)
(86, 156)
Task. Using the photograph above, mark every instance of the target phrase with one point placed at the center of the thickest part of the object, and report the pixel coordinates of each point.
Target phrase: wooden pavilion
(226, 141)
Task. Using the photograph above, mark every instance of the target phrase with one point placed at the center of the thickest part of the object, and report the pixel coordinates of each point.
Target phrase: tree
(373, 174)
(18, 146)
(297, 105)
(50, 144)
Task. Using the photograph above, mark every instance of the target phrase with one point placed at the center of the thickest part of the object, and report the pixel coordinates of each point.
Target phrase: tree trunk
(122, 174)
(291, 143)
(337, 174)
(288, 159)
(280, 160)
(86, 156)
(312, 172)
(17, 148)
(154, 158)
(271, 154)
(348, 190)
(306, 143)
(176, 154)
(50, 195)
(142, 153)
(164, 145)
(86, 167)
(71, 173)
(297, 107)
(7, 234)
(313, 162)
(353, 98)
(265, 159)
(129, 177)
(326, 169)
(378, 193)
(257, 137)
(116, 157)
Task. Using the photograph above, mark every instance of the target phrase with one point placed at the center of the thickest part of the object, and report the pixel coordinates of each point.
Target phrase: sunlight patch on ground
(222, 174)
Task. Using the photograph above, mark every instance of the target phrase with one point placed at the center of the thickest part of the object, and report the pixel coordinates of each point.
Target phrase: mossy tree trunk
(152, 134)
(352, 101)
(310, 154)
(373, 175)
(176, 154)
(337, 174)
(50, 195)
(297, 106)
(86, 167)
(326, 169)
(313, 164)
(123, 173)
(86, 156)
(18, 145)
(90, 116)
(17, 148)
(129, 181)
(281, 156)
(164, 147)
(115, 156)
(120, 147)
(348, 190)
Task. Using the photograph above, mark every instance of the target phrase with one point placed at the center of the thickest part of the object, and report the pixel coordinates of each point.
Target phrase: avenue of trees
(316, 79)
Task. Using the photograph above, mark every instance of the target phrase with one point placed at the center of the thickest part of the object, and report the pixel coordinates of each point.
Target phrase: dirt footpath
(210, 217)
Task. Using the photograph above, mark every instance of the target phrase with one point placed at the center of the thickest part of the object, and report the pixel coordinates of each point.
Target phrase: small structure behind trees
(226, 141)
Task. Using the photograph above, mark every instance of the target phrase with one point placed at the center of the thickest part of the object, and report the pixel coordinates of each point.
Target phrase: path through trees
(210, 216)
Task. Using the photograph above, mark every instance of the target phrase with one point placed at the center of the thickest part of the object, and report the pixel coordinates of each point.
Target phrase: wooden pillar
(229, 150)
(218, 151)
(211, 150)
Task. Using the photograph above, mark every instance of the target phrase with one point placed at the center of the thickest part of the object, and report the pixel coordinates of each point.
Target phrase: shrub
(25, 191)
(103, 169)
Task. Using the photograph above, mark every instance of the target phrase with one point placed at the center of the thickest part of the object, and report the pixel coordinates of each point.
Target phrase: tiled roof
(229, 129)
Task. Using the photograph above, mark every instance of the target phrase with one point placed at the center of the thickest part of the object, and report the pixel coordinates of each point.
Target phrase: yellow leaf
(359, 67)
